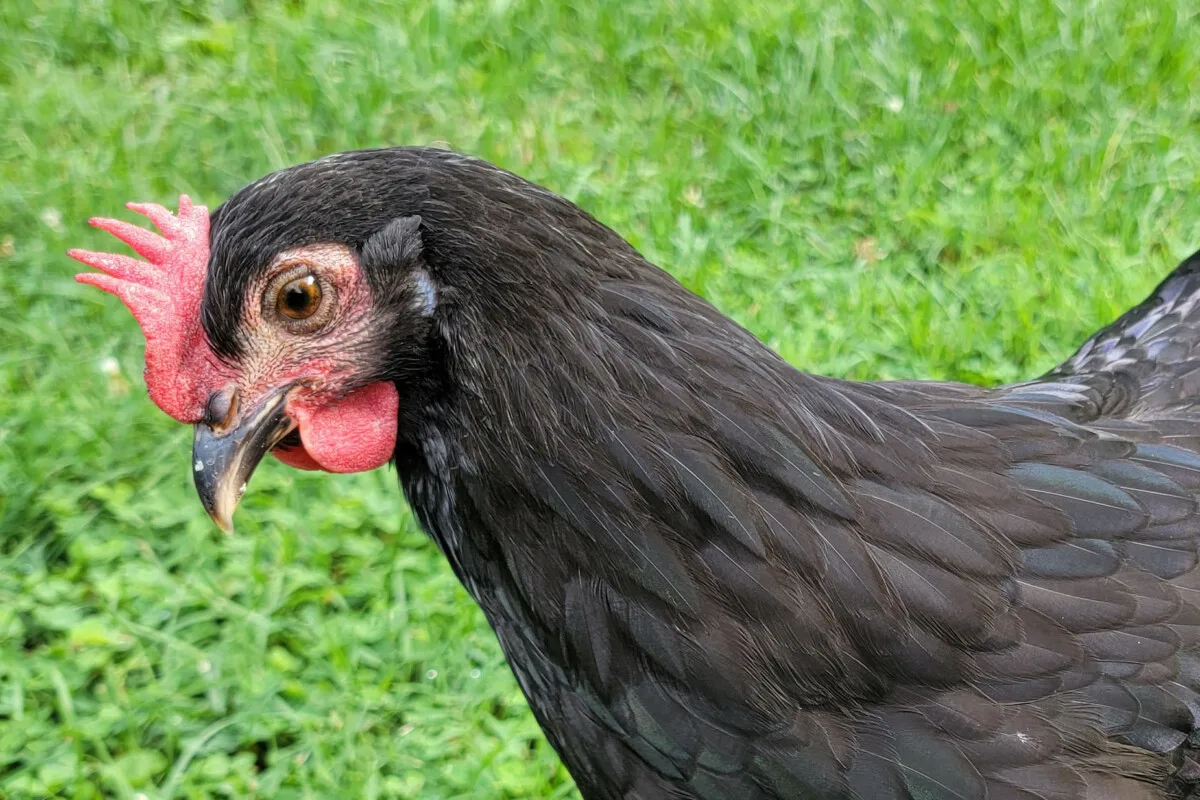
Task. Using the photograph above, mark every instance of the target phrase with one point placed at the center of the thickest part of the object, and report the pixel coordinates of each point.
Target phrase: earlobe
(427, 297)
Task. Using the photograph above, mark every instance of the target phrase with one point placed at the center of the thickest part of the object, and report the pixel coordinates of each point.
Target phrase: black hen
(716, 576)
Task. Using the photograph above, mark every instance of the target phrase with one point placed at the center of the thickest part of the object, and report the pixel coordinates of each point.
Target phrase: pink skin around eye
(355, 432)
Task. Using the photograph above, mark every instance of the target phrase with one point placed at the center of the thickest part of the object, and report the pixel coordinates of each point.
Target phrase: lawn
(881, 189)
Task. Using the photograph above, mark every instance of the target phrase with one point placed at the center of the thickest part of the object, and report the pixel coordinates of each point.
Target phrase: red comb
(164, 294)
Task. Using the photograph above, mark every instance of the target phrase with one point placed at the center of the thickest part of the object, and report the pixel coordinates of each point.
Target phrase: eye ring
(299, 299)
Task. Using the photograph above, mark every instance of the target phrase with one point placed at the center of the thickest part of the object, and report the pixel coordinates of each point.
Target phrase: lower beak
(224, 458)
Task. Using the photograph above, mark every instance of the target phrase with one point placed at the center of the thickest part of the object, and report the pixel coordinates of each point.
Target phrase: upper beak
(225, 455)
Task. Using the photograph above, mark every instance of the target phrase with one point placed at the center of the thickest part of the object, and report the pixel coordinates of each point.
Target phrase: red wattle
(354, 434)
(297, 457)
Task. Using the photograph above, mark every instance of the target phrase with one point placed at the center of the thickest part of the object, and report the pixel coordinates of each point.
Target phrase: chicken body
(753, 583)
(716, 576)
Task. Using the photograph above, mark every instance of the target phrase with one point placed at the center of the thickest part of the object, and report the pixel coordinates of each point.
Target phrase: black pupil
(298, 297)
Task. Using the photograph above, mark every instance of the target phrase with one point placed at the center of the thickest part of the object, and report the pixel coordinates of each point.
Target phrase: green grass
(910, 188)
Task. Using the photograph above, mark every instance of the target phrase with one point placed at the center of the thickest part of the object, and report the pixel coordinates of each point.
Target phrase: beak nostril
(221, 409)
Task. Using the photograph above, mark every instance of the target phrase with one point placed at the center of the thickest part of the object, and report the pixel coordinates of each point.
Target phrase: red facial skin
(345, 425)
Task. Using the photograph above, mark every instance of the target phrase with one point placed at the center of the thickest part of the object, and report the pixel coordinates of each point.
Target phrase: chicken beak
(224, 456)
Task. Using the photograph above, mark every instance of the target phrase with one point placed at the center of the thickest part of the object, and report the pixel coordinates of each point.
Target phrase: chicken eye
(300, 298)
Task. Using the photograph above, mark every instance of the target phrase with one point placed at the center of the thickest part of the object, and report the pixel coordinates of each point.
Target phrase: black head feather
(478, 222)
